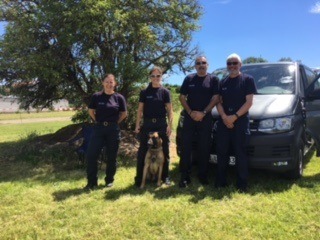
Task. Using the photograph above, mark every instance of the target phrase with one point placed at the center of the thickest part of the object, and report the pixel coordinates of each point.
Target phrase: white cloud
(316, 8)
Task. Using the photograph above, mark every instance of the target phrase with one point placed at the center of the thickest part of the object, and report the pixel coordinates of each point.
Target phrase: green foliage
(254, 60)
(81, 116)
(61, 49)
(285, 59)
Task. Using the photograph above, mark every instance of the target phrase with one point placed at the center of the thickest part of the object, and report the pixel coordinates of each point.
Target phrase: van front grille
(269, 151)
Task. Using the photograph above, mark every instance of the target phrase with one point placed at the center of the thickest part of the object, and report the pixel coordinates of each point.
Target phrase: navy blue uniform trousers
(236, 138)
(202, 130)
(149, 126)
(108, 136)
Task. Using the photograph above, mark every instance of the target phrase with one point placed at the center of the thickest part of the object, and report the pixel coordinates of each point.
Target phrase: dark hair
(109, 75)
(154, 69)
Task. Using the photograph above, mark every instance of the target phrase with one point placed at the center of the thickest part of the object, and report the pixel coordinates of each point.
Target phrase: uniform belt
(106, 123)
(154, 120)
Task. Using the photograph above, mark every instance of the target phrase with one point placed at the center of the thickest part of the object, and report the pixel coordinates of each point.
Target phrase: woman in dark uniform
(155, 108)
(107, 109)
(236, 97)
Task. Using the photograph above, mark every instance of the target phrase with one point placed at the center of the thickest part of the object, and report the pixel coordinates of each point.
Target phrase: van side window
(310, 76)
(317, 84)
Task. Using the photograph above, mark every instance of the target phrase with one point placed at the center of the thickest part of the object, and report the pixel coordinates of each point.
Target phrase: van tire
(297, 171)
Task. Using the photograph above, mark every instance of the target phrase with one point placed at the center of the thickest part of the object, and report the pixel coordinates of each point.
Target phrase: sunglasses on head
(232, 63)
(201, 63)
(155, 76)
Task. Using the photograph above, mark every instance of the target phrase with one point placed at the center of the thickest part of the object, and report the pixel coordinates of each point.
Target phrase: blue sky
(269, 29)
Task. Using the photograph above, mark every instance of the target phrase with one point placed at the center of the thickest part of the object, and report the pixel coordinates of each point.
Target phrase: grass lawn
(41, 197)
(33, 115)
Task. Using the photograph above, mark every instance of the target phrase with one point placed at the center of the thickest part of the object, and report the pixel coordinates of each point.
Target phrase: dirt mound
(72, 135)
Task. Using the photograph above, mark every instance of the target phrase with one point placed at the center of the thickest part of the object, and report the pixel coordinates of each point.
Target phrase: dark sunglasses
(201, 63)
(232, 63)
(155, 76)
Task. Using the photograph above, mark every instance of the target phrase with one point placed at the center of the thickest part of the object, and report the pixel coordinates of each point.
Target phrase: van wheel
(297, 171)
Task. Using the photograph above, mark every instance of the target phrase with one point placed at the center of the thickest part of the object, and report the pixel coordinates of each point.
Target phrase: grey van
(284, 117)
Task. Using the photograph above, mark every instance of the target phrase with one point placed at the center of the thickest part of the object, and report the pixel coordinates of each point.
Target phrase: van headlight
(276, 125)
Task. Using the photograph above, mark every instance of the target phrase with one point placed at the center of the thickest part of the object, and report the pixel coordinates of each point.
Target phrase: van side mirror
(315, 94)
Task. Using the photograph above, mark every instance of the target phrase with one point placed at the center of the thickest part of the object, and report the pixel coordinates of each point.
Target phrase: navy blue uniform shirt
(154, 100)
(234, 91)
(199, 90)
(107, 106)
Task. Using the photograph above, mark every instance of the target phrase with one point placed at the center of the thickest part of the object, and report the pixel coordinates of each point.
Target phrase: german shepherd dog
(153, 162)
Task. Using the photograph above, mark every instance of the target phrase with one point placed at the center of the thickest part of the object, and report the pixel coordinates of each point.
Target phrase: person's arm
(246, 106)
(122, 116)
(183, 101)
(213, 102)
(193, 114)
(92, 113)
(170, 117)
(228, 122)
(230, 119)
(139, 116)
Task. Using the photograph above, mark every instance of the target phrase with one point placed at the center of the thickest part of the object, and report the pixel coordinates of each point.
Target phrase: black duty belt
(154, 120)
(106, 123)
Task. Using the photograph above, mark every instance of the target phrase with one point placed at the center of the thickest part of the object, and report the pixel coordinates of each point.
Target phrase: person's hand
(137, 130)
(197, 115)
(169, 131)
(229, 120)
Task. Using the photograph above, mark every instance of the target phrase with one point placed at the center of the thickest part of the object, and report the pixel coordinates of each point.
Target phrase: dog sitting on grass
(154, 160)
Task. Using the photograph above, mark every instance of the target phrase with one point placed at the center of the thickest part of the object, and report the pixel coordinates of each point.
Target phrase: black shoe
(183, 184)
(188, 179)
(167, 181)
(242, 189)
(218, 185)
(90, 186)
(204, 181)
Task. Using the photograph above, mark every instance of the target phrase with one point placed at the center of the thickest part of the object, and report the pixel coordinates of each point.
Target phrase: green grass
(18, 116)
(41, 197)
(13, 132)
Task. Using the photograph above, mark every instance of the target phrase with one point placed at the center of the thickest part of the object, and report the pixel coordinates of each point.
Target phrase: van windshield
(269, 78)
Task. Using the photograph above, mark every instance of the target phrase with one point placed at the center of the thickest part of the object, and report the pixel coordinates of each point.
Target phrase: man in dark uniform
(236, 96)
(198, 95)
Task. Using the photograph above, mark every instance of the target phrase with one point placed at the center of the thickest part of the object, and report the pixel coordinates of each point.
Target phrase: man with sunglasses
(236, 96)
(198, 95)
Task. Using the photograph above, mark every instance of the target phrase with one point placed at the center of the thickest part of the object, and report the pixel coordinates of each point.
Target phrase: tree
(61, 49)
(285, 59)
(254, 60)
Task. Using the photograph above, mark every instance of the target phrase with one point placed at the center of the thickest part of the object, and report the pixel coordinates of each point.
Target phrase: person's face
(201, 66)
(109, 83)
(233, 66)
(156, 77)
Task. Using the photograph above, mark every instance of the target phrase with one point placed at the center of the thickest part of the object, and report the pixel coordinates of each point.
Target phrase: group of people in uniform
(199, 94)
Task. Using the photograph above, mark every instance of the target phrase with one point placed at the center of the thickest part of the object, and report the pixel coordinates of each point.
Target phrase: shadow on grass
(57, 166)
(265, 182)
